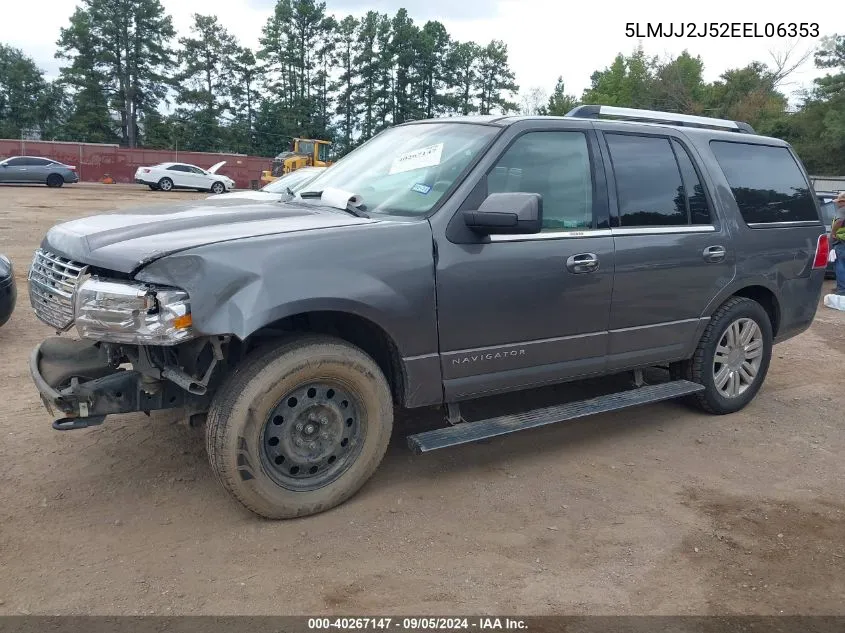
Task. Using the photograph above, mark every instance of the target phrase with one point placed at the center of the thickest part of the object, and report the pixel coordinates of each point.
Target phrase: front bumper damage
(79, 385)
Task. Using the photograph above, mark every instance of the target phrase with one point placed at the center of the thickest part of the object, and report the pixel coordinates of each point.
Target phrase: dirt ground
(658, 510)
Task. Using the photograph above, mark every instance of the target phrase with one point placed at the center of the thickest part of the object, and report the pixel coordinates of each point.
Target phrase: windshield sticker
(417, 159)
(421, 188)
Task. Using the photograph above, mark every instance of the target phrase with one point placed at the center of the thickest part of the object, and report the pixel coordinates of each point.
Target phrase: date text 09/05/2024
(722, 29)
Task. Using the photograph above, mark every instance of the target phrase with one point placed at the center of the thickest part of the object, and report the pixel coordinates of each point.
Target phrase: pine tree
(245, 74)
(495, 82)
(463, 71)
(431, 68)
(205, 82)
(402, 50)
(369, 65)
(560, 102)
(344, 88)
(28, 103)
(126, 44)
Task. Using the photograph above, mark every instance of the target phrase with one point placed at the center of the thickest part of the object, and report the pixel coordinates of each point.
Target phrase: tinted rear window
(648, 181)
(766, 182)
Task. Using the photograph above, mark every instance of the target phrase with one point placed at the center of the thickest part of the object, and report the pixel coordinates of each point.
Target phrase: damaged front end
(138, 350)
(82, 381)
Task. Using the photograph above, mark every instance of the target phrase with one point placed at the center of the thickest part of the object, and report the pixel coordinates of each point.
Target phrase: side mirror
(507, 213)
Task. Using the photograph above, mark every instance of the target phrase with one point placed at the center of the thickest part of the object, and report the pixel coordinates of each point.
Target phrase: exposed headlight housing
(132, 313)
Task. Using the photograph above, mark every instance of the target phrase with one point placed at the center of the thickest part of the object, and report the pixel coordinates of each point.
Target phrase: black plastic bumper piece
(69, 424)
(85, 402)
(468, 432)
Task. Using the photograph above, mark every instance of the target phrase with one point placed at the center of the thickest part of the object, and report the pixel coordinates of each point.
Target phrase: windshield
(406, 170)
(294, 180)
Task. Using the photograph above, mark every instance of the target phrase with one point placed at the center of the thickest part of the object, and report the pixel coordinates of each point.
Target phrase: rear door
(673, 254)
(38, 169)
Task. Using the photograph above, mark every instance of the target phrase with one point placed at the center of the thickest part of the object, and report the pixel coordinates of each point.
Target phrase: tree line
(315, 75)
(754, 93)
(312, 75)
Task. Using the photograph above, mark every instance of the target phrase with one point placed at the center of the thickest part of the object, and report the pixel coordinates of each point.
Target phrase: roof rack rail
(654, 116)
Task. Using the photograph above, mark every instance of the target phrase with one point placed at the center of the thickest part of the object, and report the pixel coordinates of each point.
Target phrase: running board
(468, 432)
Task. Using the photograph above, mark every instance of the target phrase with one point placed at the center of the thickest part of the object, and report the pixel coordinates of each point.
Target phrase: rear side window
(766, 182)
(648, 181)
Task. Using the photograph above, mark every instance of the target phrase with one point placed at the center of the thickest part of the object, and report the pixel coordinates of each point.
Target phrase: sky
(545, 39)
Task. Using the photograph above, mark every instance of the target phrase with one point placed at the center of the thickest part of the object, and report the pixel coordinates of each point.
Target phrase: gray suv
(440, 262)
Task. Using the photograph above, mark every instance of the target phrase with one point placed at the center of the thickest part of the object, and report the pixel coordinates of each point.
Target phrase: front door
(527, 310)
(181, 176)
(16, 170)
(673, 255)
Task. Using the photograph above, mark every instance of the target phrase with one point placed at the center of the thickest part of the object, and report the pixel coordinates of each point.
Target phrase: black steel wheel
(312, 436)
(55, 180)
(300, 427)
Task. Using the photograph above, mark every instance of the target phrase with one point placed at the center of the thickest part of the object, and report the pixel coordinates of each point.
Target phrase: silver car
(32, 169)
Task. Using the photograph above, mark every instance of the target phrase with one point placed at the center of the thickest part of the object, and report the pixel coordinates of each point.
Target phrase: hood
(127, 239)
(216, 166)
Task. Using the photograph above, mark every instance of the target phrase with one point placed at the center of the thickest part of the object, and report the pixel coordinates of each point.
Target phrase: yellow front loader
(306, 152)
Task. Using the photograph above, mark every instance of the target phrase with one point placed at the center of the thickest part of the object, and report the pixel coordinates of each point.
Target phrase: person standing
(837, 242)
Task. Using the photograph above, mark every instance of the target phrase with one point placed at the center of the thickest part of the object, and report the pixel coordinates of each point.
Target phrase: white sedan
(294, 181)
(168, 176)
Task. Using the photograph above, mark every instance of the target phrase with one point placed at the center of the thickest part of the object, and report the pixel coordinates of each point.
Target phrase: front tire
(732, 357)
(217, 188)
(165, 184)
(299, 428)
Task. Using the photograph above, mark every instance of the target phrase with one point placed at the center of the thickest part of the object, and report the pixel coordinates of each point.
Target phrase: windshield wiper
(289, 193)
(356, 212)
(349, 209)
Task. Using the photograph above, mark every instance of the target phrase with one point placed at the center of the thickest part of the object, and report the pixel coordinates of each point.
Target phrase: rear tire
(299, 428)
(165, 184)
(55, 180)
(732, 357)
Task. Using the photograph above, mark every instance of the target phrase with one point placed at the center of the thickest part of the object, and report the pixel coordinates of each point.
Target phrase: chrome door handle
(714, 254)
(582, 263)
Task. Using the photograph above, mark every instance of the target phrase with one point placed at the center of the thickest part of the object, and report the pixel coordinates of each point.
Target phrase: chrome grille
(52, 282)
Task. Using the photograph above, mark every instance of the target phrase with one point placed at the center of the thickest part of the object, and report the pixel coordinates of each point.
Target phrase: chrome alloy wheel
(738, 357)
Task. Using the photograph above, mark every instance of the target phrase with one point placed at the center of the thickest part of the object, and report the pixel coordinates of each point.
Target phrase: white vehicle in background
(169, 176)
(294, 181)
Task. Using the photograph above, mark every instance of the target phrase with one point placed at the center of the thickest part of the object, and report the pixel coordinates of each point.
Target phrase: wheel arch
(358, 330)
(766, 298)
(758, 290)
